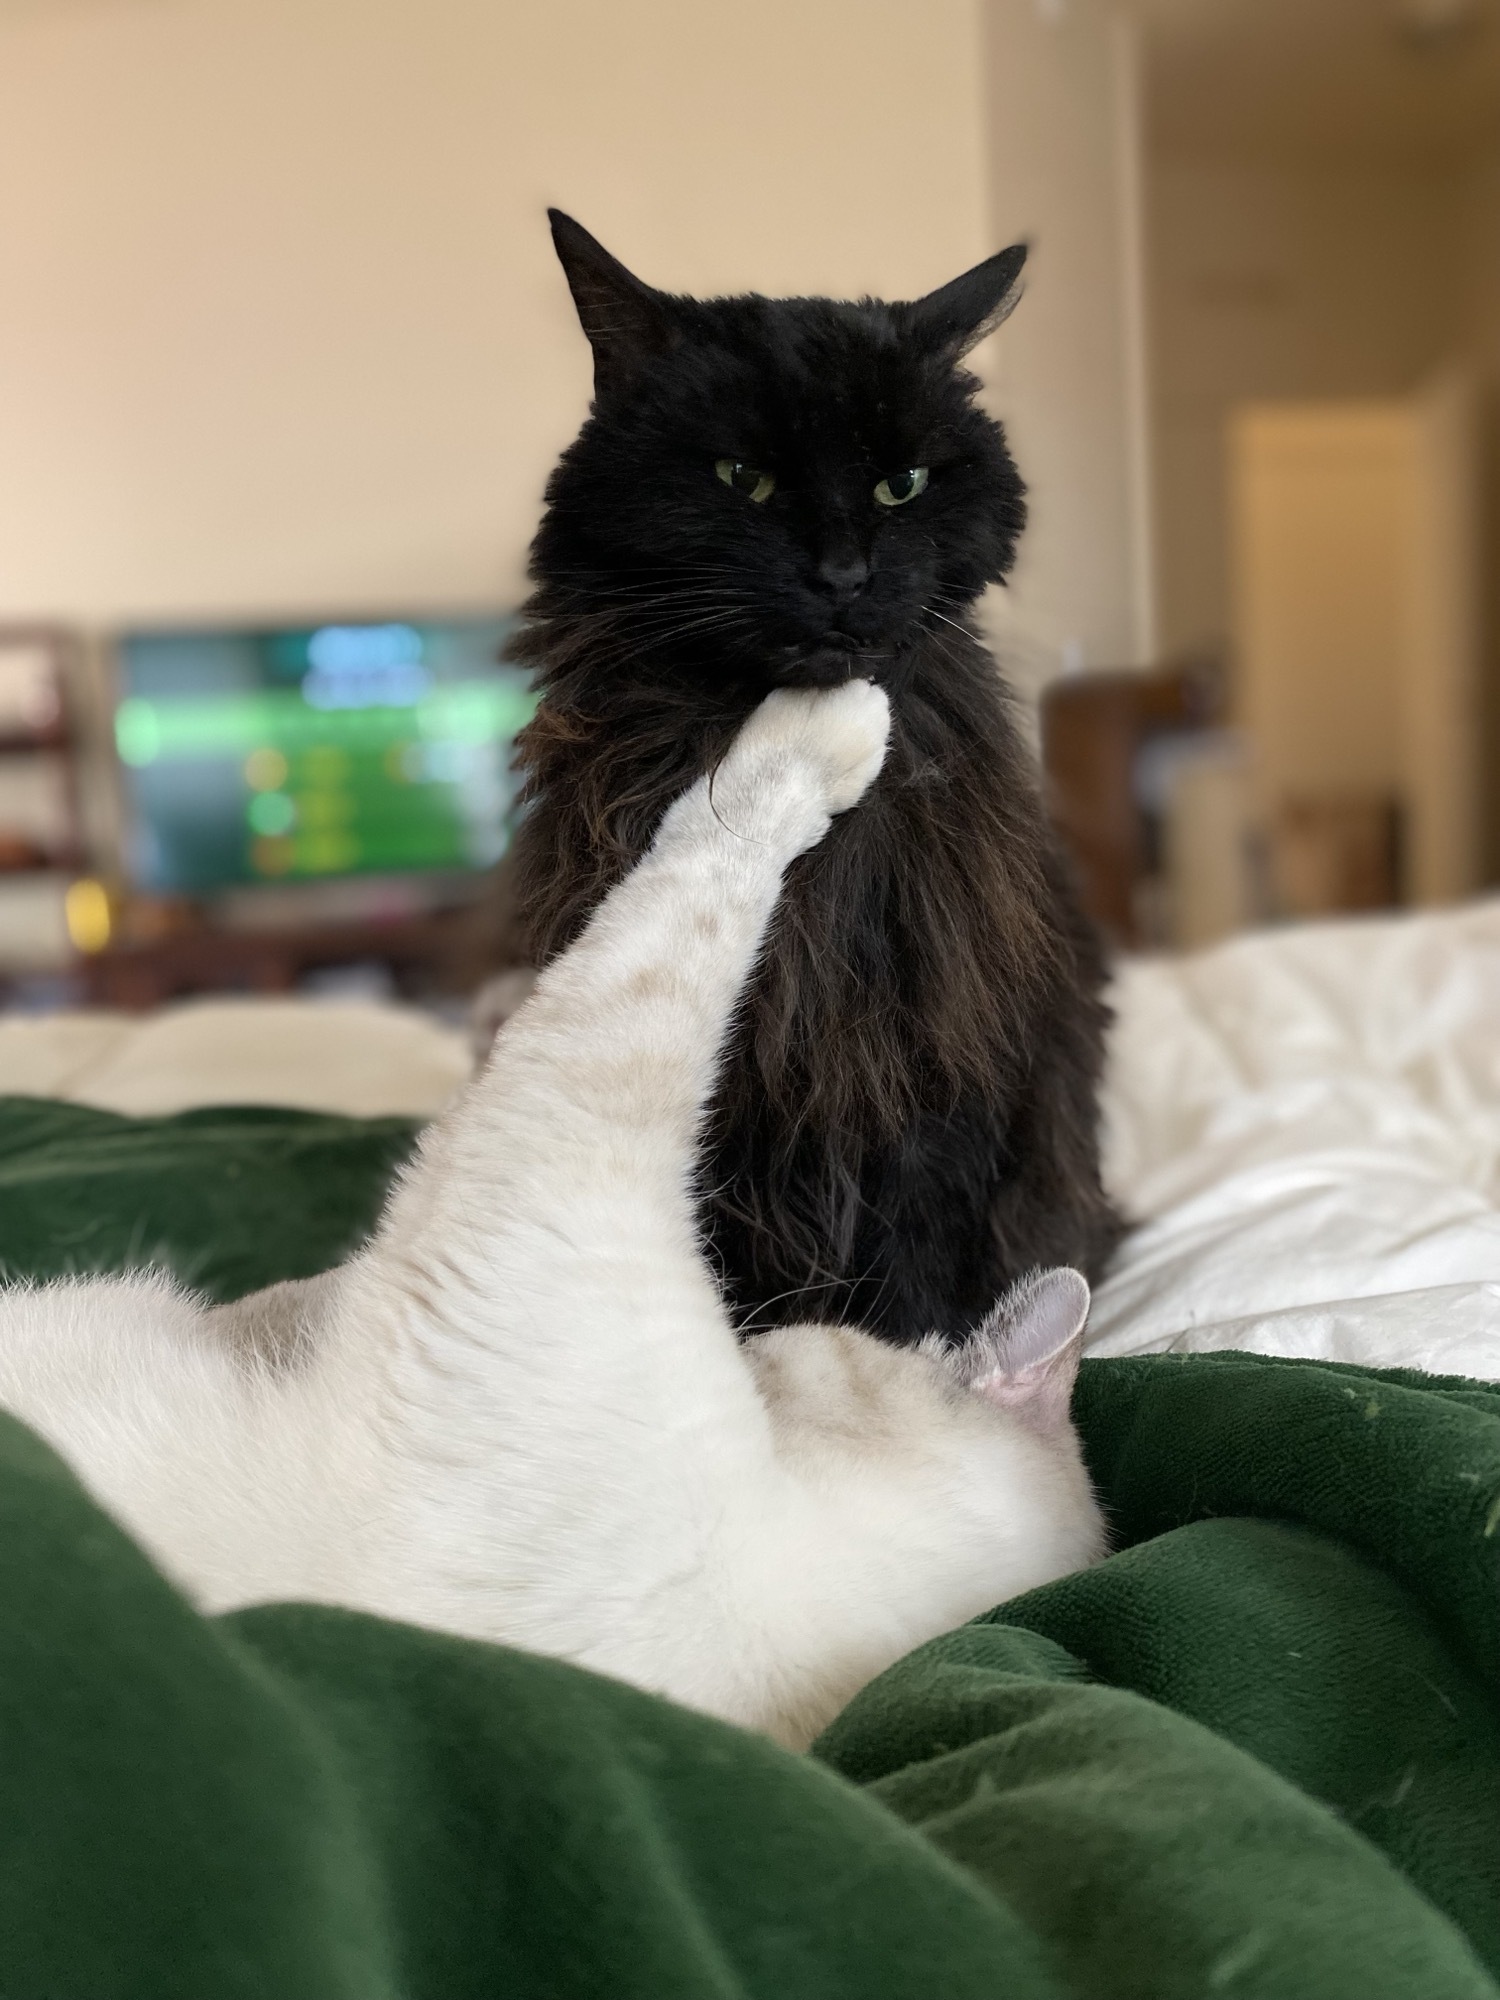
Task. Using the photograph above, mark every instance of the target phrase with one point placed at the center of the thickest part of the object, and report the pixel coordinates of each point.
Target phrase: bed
(1255, 1753)
(1304, 1125)
(1307, 1124)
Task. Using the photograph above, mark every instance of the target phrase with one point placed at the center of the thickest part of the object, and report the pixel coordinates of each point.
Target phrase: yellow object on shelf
(89, 915)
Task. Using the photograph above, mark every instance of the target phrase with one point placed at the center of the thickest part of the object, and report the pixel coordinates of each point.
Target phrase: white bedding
(1306, 1124)
(354, 1057)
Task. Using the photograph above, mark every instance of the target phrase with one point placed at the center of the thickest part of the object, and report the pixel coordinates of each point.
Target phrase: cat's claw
(841, 733)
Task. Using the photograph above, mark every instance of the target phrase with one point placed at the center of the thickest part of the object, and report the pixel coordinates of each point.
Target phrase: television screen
(276, 756)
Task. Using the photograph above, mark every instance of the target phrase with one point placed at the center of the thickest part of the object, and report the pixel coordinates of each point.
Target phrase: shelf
(42, 862)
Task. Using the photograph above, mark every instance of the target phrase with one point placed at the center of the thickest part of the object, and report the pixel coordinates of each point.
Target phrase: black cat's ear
(626, 322)
(958, 315)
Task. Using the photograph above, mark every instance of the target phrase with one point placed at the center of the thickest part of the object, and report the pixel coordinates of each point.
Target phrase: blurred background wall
(1324, 220)
(283, 326)
(1323, 216)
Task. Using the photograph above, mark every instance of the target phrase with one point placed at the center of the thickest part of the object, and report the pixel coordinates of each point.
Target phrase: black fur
(907, 1119)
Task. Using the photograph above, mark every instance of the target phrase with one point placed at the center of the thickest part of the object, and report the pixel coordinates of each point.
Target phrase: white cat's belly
(225, 1477)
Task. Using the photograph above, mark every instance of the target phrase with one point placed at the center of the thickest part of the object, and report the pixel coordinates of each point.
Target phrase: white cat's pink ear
(1024, 1357)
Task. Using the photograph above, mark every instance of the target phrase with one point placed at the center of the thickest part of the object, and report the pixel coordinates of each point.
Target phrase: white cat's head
(952, 1477)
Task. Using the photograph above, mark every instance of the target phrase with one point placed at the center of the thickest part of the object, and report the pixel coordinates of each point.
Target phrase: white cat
(521, 1412)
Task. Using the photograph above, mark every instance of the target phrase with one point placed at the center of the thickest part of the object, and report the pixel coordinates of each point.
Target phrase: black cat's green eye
(747, 479)
(901, 487)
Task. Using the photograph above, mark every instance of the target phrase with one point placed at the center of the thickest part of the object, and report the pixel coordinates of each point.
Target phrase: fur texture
(522, 1413)
(906, 1120)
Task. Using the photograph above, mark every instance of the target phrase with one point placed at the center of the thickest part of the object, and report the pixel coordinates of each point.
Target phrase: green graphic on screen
(335, 750)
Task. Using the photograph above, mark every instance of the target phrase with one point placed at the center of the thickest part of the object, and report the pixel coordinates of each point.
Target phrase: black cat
(790, 492)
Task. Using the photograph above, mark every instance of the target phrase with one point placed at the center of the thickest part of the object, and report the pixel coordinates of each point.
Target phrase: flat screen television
(277, 756)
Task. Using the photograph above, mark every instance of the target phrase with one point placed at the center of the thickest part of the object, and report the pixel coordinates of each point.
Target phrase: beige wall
(1355, 588)
(1064, 166)
(1319, 495)
(283, 328)
(282, 325)
(1279, 280)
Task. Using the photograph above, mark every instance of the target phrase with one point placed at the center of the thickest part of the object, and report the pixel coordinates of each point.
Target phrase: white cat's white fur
(521, 1412)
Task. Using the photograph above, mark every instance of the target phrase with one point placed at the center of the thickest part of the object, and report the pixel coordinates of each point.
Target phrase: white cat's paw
(840, 734)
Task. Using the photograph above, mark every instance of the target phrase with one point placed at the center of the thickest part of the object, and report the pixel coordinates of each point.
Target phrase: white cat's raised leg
(542, 1248)
(556, 1370)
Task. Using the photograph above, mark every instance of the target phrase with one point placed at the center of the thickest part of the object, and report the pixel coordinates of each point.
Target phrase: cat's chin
(824, 667)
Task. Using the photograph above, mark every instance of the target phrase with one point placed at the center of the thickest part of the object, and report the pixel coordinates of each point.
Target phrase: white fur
(521, 1411)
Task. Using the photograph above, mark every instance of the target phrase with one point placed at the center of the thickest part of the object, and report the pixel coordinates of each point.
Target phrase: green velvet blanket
(1256, 1753)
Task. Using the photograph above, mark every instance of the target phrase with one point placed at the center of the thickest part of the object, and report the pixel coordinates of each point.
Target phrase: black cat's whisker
(632, 645)
(944, 647)
(636, 616)
(624, 603)
(936, 637)
(667, 634)
(950, 621)
(621, 605)
(714, 809)
(667, 614)
(656, 578)
(930, 632)
(631, 623)
(744, 1320)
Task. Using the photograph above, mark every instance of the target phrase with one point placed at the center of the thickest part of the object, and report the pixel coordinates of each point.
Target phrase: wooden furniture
(1095, 728)
(205, 959)
(169, 952)
(42, 840)
(1338, 856)
(37, 742)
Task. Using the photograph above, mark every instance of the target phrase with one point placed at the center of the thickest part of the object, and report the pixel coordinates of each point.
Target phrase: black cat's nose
(846, 575)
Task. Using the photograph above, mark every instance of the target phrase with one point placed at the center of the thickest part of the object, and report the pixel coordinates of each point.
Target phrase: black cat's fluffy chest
(906, 1119)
